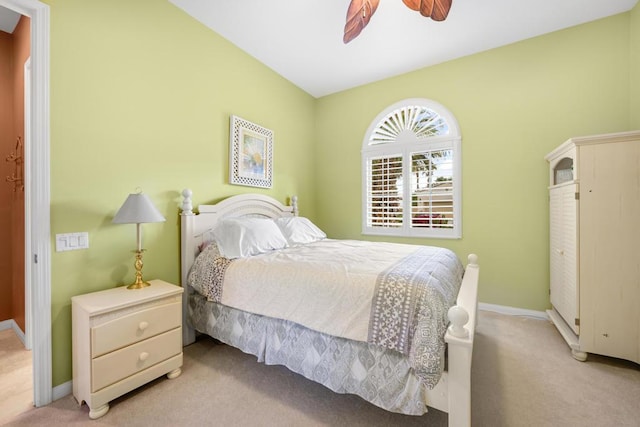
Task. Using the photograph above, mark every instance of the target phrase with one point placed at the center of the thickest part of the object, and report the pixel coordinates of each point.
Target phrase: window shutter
(384, 198)
(411, 183)
(432, 190)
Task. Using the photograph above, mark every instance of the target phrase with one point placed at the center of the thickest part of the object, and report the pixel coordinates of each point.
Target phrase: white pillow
(299, 230)
(244, 237)
(207, 238)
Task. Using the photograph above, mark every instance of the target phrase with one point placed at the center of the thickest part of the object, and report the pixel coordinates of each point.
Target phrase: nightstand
(123, 339)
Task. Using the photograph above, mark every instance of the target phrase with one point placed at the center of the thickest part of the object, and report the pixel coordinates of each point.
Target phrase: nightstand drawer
(115, 366)
(135, 327)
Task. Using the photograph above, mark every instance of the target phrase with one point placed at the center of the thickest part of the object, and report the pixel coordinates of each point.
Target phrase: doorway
(37, 252)
(16, 371)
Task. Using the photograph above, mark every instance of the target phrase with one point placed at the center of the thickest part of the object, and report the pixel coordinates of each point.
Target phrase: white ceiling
(8, 20)
(302, 39)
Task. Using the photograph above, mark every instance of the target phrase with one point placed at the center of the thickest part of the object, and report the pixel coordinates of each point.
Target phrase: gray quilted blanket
(406, 301)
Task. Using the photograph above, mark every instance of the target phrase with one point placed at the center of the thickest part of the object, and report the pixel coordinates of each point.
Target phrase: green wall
(635, 67)
(514, 104)
(141, 96)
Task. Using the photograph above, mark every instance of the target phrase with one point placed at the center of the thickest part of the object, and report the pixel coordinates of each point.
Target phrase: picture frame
(250, 154)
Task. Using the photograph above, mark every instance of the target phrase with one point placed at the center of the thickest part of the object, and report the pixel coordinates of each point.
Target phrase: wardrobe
(594, 222)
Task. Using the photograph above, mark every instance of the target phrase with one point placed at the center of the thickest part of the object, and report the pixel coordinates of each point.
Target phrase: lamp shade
(137, 209)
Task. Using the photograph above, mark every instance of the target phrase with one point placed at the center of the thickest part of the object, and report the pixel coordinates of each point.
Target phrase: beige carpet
(523, 375)
(16, 378)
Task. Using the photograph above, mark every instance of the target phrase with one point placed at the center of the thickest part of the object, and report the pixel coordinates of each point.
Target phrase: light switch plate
(72, 241)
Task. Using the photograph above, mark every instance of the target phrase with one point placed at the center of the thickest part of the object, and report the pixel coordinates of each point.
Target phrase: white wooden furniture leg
(174, 374)
(98, 412)
(579, 355)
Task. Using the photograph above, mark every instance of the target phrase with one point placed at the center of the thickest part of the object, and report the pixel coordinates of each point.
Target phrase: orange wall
(21, 52)
(7, 141)
(14, 51)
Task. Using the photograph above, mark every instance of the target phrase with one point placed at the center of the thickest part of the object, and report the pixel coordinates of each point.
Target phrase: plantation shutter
(432, 189)
(384, 201)
(411, 182)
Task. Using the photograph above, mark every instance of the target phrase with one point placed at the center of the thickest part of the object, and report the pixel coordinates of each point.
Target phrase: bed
(358, 359)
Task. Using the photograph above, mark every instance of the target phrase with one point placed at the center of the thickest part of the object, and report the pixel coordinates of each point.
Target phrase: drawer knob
(143, 356)
(143, 325)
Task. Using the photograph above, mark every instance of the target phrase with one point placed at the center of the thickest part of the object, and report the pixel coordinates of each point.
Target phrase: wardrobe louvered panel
(563, 284)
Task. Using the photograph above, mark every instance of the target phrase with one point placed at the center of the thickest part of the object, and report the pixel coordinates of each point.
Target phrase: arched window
(411, 172)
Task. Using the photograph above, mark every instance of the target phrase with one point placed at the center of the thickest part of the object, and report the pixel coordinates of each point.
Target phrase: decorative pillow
(299, 230)
(207, 238)
(244, 237)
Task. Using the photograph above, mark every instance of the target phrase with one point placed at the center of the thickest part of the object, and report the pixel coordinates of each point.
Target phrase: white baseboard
(513, 311)
(6, 324)
(11, 324)
(62, 390)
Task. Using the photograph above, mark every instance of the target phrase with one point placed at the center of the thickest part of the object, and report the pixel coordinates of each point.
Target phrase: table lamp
(138, 209)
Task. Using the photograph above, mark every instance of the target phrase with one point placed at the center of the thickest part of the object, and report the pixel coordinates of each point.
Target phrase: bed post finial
(187, 205)
(294, 205)
(458, 317)
(473, 260)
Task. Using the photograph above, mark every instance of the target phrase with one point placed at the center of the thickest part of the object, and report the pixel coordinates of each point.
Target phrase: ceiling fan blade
(358, 16)
(441, 10)
(412, 4)
(426, 8)
(435, 9)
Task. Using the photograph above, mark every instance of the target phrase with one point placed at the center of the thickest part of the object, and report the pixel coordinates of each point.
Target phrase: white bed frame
(452, 394)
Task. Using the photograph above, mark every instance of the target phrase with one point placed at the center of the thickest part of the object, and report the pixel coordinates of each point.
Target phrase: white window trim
(451, 141)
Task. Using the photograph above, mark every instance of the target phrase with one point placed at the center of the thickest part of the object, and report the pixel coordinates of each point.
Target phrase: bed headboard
(194, 226)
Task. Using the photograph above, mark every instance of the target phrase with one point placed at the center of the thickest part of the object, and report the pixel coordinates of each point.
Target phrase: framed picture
(250, 154)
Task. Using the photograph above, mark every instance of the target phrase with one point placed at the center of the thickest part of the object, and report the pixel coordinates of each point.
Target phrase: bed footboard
(459, 339)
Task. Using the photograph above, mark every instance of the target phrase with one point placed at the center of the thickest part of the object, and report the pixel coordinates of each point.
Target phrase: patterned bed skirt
(380, 376)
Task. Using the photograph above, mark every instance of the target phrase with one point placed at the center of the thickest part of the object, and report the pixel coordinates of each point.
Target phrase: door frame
(37, 190)
(28, 318)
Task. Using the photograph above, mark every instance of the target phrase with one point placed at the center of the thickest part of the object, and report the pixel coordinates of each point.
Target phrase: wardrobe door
(610, 249)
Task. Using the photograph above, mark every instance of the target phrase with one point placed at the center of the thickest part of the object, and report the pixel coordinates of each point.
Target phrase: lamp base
(139, 283)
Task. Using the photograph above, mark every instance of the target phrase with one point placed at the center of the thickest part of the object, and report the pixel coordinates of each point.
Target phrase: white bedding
(329, 288)
(392, 295)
